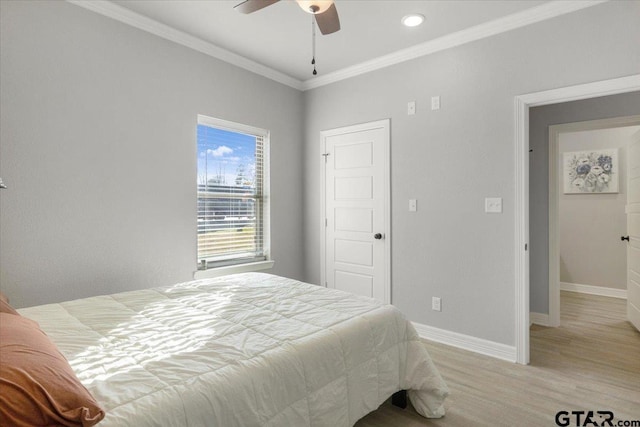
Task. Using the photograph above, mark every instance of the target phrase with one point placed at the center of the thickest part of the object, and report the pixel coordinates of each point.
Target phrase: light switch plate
(413, 205)
(493, 205)
(411, 108)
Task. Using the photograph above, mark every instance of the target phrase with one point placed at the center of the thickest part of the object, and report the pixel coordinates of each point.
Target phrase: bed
(250, 349)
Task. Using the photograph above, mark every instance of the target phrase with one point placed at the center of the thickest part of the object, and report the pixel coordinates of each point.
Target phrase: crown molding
(543, 12)
(526, 17)
(124, 15)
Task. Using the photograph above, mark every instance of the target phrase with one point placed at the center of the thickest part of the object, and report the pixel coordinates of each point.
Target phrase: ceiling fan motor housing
(315, 6)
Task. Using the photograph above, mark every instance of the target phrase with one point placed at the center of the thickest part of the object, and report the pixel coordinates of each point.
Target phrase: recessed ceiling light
(413, 20)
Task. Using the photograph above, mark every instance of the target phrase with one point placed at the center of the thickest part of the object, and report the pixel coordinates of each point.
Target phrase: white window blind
(232, 203)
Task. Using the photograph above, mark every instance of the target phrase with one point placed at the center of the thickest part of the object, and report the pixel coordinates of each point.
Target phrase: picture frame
(591, 171)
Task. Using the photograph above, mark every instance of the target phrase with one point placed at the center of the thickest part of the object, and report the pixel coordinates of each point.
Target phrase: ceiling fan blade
(328, 21)
(250, 6)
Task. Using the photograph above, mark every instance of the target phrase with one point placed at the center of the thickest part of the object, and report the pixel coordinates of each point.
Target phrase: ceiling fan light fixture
(413, 20)
(314, 7)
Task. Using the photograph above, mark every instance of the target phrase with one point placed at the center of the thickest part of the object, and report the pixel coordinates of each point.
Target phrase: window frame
(233, 265)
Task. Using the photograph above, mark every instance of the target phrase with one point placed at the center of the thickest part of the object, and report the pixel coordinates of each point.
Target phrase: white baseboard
(541, 319)
(594, 290)
(467, 342)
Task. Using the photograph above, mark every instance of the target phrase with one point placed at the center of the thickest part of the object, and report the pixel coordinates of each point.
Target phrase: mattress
(244, 350)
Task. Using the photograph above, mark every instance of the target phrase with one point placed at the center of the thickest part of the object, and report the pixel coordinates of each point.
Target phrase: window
(233, 207)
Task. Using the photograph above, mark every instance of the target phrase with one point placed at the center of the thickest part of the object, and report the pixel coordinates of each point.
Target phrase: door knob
(624, 238)
(377, 236)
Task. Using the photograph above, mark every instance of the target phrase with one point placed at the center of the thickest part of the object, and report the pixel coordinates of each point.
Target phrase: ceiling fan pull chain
(313, 44)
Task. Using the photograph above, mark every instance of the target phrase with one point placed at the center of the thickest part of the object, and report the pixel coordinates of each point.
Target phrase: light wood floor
(590, 362)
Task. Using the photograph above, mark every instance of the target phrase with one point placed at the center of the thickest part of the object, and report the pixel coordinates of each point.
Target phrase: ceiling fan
(324, 11)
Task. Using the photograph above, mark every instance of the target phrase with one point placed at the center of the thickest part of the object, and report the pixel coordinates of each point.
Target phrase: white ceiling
(276, 41)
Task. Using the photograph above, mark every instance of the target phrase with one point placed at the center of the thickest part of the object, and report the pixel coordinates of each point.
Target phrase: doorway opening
(521, 210)
(570, 137)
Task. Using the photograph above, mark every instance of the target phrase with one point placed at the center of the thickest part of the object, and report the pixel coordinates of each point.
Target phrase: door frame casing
(554, 199)
(384, 124)
(521, 208)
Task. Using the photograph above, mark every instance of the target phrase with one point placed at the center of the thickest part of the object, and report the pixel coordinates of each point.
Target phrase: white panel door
(356, 209)
(633, 229)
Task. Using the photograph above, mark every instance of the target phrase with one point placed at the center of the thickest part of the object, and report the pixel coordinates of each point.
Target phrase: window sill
(232, 269)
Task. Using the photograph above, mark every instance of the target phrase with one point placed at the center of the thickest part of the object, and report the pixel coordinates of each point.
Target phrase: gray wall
(590, 225)
(98, 150)
(540, 118)
(451, 159)
(85, 96)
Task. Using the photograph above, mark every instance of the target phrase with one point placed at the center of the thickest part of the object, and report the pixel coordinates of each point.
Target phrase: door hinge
(526, 246)
(326, 222)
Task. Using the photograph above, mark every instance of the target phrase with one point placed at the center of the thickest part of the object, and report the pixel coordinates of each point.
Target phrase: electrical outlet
(435, 102)
(436, 304)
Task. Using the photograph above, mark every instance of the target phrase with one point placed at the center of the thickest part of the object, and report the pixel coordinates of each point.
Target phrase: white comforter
(243, 350)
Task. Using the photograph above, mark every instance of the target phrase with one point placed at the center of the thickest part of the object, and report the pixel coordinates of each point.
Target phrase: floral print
(589, 172)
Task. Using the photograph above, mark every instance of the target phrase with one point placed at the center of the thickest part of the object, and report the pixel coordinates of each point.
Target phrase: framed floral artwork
(591, 172)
